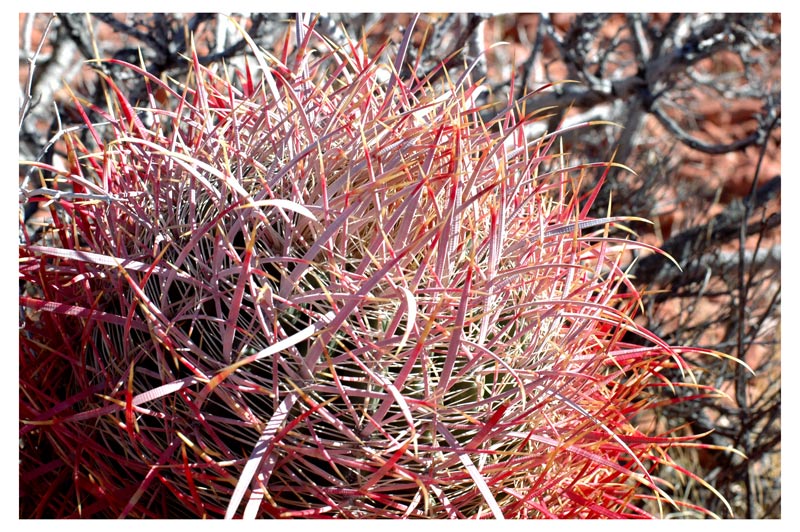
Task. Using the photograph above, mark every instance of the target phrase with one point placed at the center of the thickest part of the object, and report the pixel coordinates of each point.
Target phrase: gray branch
(695, 242)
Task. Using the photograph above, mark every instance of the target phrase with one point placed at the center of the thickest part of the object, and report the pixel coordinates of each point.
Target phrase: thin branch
(27, 34)
(696, 144)
(535, 130)
(440, 30)
(533, 57)
(476, 47)
(693, 242)
(75, 26)
(235, 48)
(144, 37)
(328, 26)
(640, 39)
(742, 379)
(474, 21)
(26, 101)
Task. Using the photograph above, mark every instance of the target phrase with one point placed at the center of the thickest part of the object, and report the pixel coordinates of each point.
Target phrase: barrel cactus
(313, 287)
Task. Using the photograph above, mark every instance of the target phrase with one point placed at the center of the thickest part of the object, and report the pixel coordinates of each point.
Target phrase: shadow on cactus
(315, 289)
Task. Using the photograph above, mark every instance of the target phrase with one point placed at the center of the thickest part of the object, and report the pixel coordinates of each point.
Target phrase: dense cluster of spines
(329, 295)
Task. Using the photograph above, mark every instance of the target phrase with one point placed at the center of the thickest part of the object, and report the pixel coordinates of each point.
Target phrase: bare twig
(696, 144)
(693, 242)
(474, 21)
(234, 48)
(742, 377)
(26, 102)
(27, 35)
(476, 47)
(533, 57)
(145, 37)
